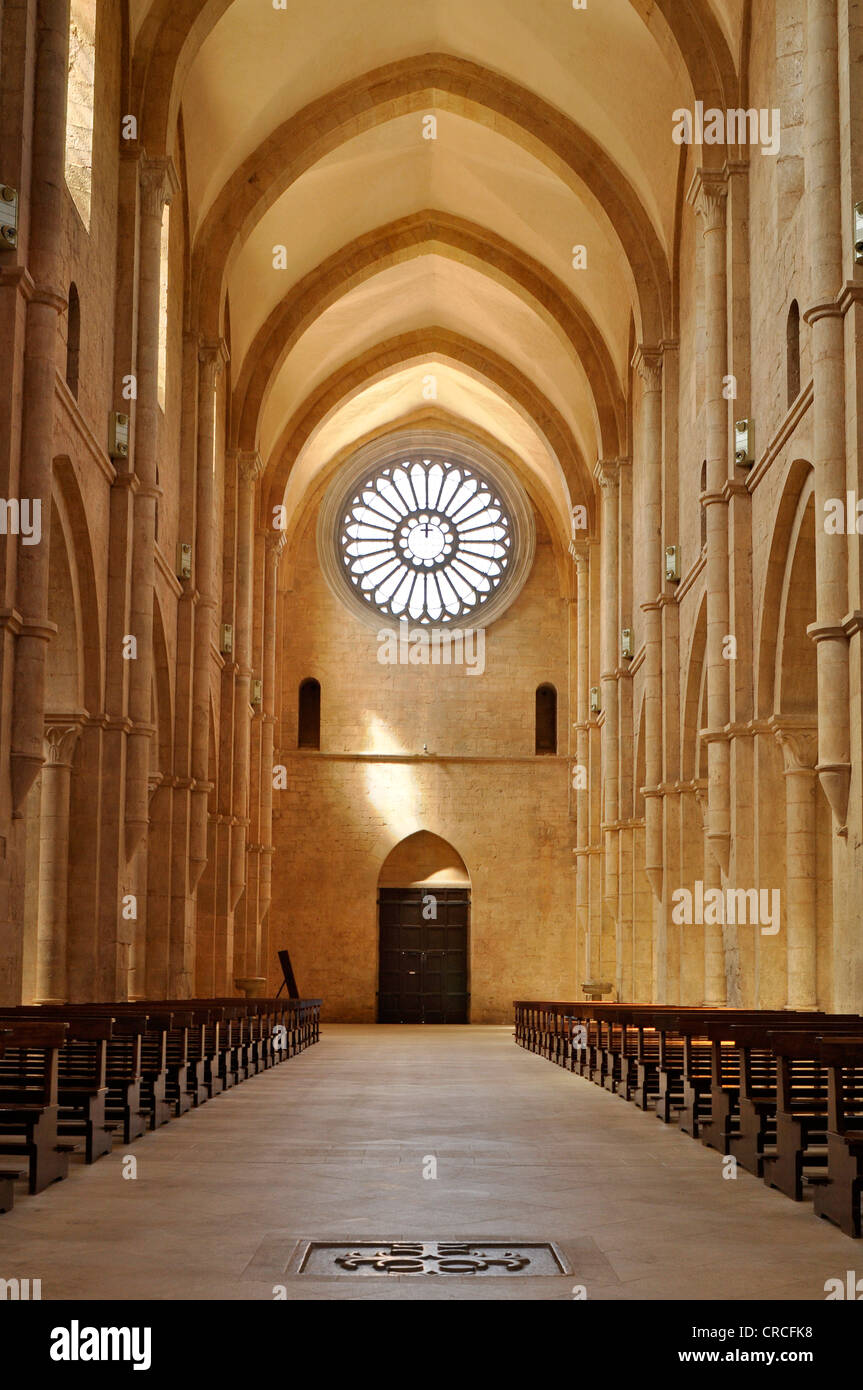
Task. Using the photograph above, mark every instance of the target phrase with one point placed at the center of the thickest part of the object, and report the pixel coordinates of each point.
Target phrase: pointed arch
(798, 477)
(424, 233)
(694, 697)
(380, 360)
(423, 858)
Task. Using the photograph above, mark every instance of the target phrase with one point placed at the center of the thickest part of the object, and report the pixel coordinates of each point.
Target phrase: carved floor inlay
(441, 1257)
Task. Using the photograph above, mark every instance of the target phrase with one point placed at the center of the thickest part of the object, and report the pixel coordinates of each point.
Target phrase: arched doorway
(423, 915)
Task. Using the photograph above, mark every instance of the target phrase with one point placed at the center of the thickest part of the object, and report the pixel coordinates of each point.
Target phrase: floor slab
(336, 1145)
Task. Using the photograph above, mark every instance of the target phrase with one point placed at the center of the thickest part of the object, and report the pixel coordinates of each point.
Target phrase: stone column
(212, 357)
(708, 193)
(46, 302)
(249, 467)
(799, 919)
(158, 185)
(51, 979)
(824, 192)
(607, 476)
(581, 553)
(716, 989)
(648, 363)
(275, 543)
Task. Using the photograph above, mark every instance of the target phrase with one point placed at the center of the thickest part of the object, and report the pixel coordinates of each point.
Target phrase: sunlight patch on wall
(79, 105)
(391, 787)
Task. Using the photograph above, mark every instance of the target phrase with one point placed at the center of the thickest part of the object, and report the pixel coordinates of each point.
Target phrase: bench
(838, 1199)
(782, 1091)
(29, 1102)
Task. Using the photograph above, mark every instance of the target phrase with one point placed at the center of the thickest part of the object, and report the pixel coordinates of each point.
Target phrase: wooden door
(423, 955)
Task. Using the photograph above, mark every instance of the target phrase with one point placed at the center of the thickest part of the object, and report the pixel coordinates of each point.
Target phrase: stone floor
(333, 1145)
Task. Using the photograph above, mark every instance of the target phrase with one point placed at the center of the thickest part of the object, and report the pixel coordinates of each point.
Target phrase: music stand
(289, 982)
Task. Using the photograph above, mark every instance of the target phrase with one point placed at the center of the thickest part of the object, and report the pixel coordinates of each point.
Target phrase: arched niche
(423, 859)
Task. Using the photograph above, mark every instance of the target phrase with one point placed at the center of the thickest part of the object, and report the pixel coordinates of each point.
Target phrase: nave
(333, 1147)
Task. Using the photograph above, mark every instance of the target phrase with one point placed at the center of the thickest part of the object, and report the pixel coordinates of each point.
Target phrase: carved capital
(799, 744)
(580, 552)
(607, 473)
(708, 194)
(647, 361)
(59, 742)
(250, 466)
(212, 357)
(159, 183)
(275, 543)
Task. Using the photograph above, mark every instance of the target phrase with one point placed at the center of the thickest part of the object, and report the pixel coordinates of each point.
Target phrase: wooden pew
(755, 1138)
(801, 1113)
(801, 1153)
(711, 1071)
(780, 1090)
(82, 1062)
(838, 1199)
(7, 1190)
(29, 1104)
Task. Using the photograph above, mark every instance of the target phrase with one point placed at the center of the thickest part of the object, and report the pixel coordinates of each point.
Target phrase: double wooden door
(423, 955)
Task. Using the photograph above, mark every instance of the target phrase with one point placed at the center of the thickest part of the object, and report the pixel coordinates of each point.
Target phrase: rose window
(426, 539)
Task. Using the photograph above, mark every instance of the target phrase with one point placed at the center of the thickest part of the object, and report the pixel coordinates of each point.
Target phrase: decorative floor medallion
(442, 1257)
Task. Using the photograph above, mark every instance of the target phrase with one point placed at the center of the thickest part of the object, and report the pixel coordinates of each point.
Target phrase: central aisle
(333, 1145)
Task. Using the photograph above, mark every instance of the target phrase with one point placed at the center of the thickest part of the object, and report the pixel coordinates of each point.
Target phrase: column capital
(159, 182)
(580, 552)
(213, 355)
(250, 466)
(647, 362)
(607, 472)
(708, 193)
(275, 544)
(59, 742)
(798, 741)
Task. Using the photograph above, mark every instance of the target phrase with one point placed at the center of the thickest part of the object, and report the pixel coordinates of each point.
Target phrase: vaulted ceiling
(408, 258)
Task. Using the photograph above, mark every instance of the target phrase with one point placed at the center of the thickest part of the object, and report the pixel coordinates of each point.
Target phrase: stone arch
(161, 753)
(423, 858)
(64, 672)
(437, 418)
(694, 706)
(381, 359)
(174, 30)
(795, 689)
(79, 547)
(421, 234)
(797, 478)
(399, 89)
(404, 87)
(640, 779)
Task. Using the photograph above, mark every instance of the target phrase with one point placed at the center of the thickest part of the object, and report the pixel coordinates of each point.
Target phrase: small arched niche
(309, 714)
(423, 859)
(546, 720)
(792, 352)
(73, 340)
